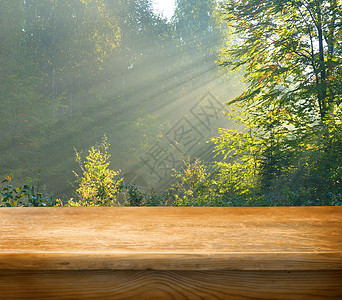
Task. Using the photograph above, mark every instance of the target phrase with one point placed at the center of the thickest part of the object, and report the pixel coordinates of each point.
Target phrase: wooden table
(171, 253)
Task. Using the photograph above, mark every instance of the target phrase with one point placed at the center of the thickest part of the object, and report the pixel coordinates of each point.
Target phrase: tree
(25, 108)
(290, 53)
(194, 20)
(198, 36)
(98, 185)
(192, 186)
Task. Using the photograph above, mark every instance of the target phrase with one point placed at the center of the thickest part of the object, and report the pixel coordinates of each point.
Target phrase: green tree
(25, 107)
(236, 176)
(290, 53)
(192, 186)
(98, 185)
(291, 56)
(197, 33)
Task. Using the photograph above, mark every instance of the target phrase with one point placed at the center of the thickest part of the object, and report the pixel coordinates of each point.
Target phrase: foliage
(27, 195)
(290, 53)
(311, 175)
(192, 186)
(71, 70)
(98, 185)
(133, 197)
(197, 35)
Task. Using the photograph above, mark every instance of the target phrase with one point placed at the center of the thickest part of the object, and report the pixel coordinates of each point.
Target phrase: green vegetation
(291, 56)
(27, 195)
(74, 70)
(71, 71)
(98, 185)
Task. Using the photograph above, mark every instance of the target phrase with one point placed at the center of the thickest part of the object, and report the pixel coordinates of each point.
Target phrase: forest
(227, 103)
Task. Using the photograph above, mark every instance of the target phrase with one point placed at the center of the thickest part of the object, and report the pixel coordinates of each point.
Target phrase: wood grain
(164, 238)
(171, 253)
(179, 285)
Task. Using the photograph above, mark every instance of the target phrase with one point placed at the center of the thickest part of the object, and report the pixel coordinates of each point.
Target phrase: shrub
(98, 185)
(26, 195)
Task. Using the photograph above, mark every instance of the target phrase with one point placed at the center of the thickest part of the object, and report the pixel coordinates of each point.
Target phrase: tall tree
(195, 21)
(198, 38)
(290, 53)
(24, 106)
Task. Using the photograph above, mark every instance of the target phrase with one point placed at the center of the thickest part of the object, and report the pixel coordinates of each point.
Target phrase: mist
(76, 71)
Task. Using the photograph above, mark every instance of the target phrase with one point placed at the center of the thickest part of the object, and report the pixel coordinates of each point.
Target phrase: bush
(26, 195)
(98, 185)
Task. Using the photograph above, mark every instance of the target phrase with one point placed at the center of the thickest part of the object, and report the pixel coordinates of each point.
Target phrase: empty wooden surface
(171, 253)
(165, 238)
(177, 285)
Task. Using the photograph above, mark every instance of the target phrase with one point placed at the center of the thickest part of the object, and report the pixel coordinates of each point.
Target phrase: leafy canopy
(291, 54)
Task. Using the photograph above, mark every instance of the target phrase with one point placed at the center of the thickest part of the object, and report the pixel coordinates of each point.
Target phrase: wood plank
(180, 285)
(171, 238)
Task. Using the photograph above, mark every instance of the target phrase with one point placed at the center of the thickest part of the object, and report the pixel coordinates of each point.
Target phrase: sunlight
(164, 7)
(151, 76)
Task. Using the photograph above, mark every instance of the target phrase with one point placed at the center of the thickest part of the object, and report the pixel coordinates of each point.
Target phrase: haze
(76, 71)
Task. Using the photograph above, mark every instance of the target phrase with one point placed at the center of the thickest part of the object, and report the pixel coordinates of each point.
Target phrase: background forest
(108, 103)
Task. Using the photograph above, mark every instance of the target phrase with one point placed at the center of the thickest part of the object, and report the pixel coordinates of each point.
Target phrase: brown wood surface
(171, 238)
(177, 285)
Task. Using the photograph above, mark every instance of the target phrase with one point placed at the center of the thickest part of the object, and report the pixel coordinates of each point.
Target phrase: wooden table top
(171, 238)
